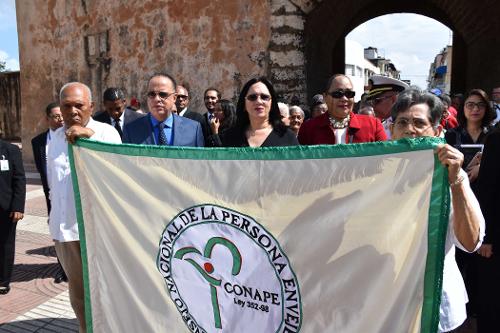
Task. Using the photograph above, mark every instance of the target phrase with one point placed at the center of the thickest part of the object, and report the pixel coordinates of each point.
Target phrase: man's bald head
(76, 104)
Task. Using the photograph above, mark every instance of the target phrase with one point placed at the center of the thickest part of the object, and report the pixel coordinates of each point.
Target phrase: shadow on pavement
(28, 272)
(41, 325)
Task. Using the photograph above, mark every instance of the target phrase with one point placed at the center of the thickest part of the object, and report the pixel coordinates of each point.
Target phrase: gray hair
(284, 109)
(69, 84)
(296, 108)
(411, 97)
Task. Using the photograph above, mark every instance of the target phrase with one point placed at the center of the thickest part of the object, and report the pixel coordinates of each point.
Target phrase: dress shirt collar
(168, 122)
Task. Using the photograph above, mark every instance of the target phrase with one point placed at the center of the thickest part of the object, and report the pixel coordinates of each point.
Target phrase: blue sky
(410, 41)
(9, 51)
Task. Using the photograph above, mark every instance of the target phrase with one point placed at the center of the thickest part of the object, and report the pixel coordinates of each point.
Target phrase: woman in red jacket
(340, 124)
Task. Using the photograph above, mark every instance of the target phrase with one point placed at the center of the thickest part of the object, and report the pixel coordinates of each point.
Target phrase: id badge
(4, 165)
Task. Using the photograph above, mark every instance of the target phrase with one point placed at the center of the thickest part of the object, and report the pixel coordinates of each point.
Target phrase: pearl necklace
(336, 124)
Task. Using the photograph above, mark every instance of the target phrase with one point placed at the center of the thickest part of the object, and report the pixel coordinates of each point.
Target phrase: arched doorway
(312, 34)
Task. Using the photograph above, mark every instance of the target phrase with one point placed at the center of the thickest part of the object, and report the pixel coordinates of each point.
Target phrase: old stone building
(297, 43)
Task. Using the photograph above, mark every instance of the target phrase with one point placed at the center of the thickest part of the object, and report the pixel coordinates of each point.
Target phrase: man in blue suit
(161, 126)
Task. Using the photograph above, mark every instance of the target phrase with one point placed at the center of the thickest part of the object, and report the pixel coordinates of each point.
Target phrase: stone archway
(308, 39)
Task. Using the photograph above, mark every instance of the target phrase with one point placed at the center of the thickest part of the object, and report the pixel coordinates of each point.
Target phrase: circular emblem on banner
(226, 273)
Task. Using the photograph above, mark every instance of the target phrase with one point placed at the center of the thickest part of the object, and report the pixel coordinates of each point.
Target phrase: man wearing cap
(340, 124)
(318, 106)
(115, 111)
(383, 95)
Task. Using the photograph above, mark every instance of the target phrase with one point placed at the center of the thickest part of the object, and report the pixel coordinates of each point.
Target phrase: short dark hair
(219, 95)
(49, 108)
(113, 94)
(242, 119)
(413, 96)
(166, 75)
(489, 113)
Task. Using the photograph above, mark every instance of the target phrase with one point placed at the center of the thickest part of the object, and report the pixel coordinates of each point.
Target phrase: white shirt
(182, 112)
(452, 312)
(387, 127)
(122, 117)
(340, 135)
(62, 221)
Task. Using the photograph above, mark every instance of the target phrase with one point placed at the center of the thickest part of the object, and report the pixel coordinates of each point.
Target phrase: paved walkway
(35, 303)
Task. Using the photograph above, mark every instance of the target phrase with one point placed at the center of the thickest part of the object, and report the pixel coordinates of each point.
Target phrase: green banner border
(438, 212)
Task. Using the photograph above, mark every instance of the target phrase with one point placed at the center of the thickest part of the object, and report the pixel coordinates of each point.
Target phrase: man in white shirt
(417, 114)
(76, 107)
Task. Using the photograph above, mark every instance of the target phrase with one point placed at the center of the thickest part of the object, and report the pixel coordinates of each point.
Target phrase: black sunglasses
(341, 93)
(253, 97)
(162, 94)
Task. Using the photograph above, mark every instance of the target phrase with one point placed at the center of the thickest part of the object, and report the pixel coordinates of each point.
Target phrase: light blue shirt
(168, 129)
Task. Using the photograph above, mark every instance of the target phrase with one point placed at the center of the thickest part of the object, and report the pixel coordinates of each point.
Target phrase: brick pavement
(35, 303)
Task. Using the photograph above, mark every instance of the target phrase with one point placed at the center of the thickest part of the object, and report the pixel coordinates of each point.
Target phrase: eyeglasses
(341, 93)
(56, 116)
(263, 97)
(418, 124)
(377, 100)
(471, 105)
(182, 96)
(161, 94)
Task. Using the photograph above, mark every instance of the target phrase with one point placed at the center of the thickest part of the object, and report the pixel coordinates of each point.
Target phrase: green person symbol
(209, 269)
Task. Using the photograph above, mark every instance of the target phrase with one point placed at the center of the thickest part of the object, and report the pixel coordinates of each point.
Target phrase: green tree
(2, 66)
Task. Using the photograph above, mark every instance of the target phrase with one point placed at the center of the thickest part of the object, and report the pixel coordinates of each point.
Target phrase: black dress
(459, 136)
(488, 193)
(237, 138)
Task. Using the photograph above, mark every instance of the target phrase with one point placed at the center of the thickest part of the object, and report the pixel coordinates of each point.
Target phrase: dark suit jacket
(12, 181)
(187, 132)
(488, 189)
(130, 115)
(38, 144)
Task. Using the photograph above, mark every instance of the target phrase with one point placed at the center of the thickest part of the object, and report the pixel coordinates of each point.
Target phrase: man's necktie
(162, 138)
(118, 128)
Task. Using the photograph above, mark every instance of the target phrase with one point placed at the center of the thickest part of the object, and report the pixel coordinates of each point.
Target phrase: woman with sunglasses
(223, 120)
(258, 119)
(340, 124)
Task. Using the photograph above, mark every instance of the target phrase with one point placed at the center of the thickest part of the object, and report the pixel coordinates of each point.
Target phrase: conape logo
(208, 268)
(214, 255)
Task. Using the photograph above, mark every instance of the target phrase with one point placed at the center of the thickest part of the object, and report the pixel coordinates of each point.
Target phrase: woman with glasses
(474, 118)
(474, 122)
(223, 120)
(340, 124)
(258, 119)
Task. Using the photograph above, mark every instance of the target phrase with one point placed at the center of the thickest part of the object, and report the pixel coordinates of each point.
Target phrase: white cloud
(411, 41)
(11, 64)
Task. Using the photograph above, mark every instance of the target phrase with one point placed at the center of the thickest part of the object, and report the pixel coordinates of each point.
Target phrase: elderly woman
(418, 114)
(296, 118)
(224, 119)
(258, 119)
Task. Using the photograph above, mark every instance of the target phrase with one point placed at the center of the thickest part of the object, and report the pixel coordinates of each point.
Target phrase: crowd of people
(390, 110)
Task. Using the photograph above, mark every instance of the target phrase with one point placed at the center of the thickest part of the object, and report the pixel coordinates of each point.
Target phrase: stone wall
(297, 43)
(121, 43)
(10, 106)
